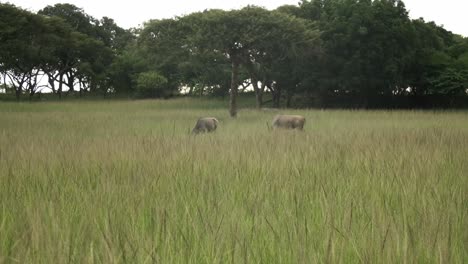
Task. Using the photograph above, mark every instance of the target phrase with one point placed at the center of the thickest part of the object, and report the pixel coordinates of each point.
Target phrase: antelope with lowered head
(289, 122)
(205, 124)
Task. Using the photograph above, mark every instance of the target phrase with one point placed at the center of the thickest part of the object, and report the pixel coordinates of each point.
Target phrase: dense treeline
(61, 43)
(312, 51)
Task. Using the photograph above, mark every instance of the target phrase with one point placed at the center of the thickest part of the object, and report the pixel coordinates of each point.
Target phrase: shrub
(152, 84)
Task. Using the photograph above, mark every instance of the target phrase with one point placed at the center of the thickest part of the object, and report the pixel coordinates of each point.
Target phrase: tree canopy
(312, 50)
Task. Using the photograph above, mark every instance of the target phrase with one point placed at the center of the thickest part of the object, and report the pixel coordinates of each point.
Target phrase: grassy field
(124, 182)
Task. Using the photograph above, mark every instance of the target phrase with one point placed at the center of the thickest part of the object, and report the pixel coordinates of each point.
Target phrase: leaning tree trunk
(70, 82)
(234, 87)
(51, 83)
(19, 89)
(60, 86)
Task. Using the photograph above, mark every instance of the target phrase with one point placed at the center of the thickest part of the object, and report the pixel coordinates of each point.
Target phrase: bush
(152, 84)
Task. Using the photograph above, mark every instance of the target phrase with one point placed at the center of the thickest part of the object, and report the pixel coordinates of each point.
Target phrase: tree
(436, 64)
(162, 47)
(124, 70)
(286, 64)
(225, 33)
(249, 37)
(367, 45)
(24, 47)
(80, 52)
(74, 16)
(114, 36)
(451, 75)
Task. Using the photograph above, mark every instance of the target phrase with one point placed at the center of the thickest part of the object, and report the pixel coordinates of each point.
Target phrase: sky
(449, 13)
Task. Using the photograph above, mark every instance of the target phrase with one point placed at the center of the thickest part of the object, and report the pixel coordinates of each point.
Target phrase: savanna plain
(125, 182)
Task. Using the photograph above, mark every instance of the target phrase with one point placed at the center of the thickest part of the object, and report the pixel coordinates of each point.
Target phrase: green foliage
(314, 49)
(25, 47)
(74, 16)
(450, 81)
(366, 43)
(152, 84)
(114, 36)
(125, 69)
(84, 52)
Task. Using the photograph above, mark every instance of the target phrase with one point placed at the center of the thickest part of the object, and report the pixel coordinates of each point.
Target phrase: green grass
(124, 182)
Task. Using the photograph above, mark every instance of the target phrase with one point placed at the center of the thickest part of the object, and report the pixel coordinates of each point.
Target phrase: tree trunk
(261, 92)
(17, 93)
(31, 91)
(19, 89)
(202, 89)
(60, 86)
(258, 93)
(276, 96)
(259, 99)
(275, 100)
(290, 88)
(51, 83)
(257, 90)
(33, 84)
(234, 87)
(288, 99)
(5, 83)
(70, 82)
(81, 89)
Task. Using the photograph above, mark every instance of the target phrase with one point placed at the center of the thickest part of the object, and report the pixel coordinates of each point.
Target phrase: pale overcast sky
(449, 13)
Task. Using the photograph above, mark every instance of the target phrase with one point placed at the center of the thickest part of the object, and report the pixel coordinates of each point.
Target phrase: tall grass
(124, 182)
